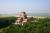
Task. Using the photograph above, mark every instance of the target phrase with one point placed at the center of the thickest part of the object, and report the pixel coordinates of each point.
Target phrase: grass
(42, 26)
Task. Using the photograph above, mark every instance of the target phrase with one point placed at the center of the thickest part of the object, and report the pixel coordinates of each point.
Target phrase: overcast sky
(30, 6)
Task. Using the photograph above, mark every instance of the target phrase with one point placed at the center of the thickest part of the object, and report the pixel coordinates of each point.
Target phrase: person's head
(23, 12)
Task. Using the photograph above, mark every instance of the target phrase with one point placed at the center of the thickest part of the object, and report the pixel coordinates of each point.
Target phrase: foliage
(5, 21)
(42, 26)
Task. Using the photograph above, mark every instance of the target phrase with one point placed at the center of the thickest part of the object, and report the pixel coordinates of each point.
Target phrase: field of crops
(32, 26)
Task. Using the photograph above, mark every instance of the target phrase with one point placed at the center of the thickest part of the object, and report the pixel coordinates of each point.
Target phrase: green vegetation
(42, 26)
(5, 21)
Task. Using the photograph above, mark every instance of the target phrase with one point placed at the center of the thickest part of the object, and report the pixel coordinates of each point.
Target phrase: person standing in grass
(24, 16)
(22, 19)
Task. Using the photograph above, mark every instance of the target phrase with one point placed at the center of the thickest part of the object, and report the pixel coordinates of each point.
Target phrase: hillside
(33, 25)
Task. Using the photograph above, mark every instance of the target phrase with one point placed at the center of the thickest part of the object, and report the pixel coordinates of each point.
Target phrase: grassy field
(32, 26)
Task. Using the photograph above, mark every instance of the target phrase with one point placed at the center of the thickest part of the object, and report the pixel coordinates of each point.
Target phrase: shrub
(5, 21)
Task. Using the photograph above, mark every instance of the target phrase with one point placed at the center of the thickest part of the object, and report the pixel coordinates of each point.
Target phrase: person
(24, 16)
(19, 19)
(22, 19)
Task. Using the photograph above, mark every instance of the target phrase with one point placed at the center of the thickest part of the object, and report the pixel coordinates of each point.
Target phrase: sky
(29, 6)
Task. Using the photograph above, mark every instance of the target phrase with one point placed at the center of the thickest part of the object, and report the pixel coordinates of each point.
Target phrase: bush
(5, 21)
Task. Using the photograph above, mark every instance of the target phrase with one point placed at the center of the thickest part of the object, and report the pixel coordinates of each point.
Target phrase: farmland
(33, 25)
